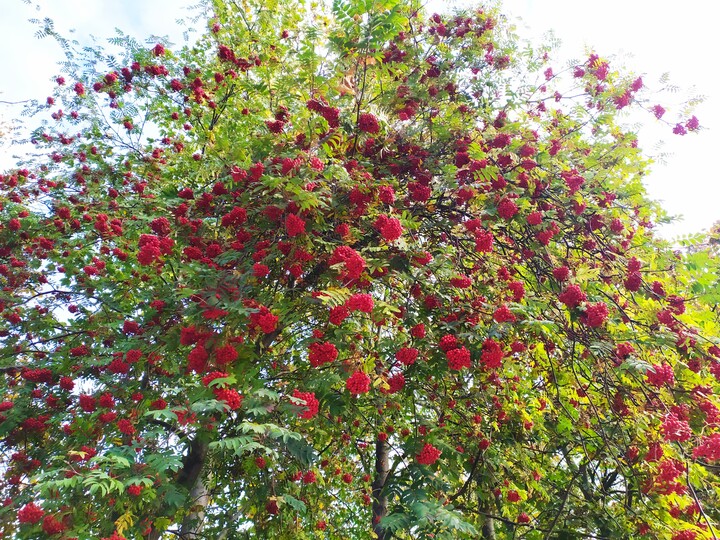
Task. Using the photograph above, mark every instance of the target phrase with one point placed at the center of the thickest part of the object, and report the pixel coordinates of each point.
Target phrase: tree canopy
(349, 271)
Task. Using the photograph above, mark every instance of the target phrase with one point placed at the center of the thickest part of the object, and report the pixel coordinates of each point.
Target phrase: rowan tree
(356, 272)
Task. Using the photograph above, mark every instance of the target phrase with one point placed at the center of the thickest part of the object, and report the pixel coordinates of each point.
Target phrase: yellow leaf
(584, 275)
(123, 522)
(369, 364)
(346, 87)
(162, 523)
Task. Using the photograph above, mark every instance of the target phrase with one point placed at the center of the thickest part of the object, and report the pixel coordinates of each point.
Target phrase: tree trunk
(197, 501)
(380, 501)
(488, 529)
(190, 477)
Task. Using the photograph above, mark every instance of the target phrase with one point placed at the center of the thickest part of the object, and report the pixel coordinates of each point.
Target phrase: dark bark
(193, 464)
(379, 499)
(488, 529)
(198, 500)
(487, 532)
(191, 479)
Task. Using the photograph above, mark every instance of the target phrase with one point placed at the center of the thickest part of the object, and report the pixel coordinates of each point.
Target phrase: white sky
(652, 37)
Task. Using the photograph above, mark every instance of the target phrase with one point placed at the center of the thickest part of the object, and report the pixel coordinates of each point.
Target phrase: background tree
(5, 128)
(360, 273)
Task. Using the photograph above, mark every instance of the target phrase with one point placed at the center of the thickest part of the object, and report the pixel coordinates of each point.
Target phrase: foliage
(349, 273)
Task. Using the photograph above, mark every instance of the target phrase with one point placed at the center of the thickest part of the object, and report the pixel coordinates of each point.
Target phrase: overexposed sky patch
(29, 64)
(651, 37)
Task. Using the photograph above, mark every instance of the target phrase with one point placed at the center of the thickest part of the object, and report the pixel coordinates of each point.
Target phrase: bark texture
(379, 499)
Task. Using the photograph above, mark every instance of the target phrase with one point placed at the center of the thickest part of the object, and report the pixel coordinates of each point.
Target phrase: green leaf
(302, 451)
(171, 495)
(296, 504)
(396, 521)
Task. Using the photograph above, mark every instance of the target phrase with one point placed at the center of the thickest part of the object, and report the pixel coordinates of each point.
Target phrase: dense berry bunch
(311, 406)
(368, 123)
(30, 513)
(322, 353)
(406, 355)
(458, 358)
(358, 383)
(428, 455)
